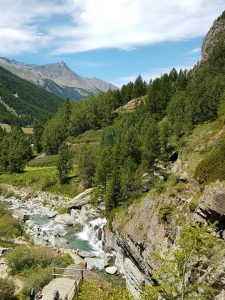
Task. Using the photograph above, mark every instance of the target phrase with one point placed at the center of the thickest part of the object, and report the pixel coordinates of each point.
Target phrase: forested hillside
(132, 143)
(22, 102)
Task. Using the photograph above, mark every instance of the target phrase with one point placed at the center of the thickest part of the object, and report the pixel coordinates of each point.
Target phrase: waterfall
(93, 233)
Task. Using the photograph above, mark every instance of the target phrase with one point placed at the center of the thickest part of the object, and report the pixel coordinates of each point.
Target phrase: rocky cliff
(215, 34)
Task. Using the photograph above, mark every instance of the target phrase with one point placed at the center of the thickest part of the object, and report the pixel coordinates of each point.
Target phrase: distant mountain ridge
(57, 78)
(22, 102)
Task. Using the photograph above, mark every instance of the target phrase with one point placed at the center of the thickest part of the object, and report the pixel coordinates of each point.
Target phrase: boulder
(58, 230)
(75, 213)
(212, 203)
(81, 199)
(111, 270)
(88, 212)
(65, 219)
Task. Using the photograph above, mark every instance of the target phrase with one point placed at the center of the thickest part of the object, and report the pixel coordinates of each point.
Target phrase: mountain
(22, 102)
(57, 78)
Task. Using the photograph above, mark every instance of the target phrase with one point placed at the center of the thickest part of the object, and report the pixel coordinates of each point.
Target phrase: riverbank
(78, 229)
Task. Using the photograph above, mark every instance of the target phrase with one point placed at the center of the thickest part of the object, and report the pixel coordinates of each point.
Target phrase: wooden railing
(78, 278)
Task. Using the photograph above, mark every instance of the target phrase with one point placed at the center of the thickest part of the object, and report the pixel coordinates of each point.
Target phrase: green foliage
(65, 163)
(42, 178)
(15, 151)
(25, 259)
(87, 165)
(56, 129)
(127, 148)
(37, 276)
(95, 290)
(36, 280)
(9, 227)
(37, 133)
(29, 101)
(166, 212)
(7, 289)
(165, 132)
(62, 210)
(212, 167)
(187, 272)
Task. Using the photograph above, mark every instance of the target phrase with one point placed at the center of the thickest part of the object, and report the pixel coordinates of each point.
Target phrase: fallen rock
(111, 270)
(81, 199)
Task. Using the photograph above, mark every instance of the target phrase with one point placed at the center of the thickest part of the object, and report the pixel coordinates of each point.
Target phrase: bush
(95, 290)
(212, 167)
(7, 289)
(9, 227)
(37, 280)
(25, 260)
(166, 212)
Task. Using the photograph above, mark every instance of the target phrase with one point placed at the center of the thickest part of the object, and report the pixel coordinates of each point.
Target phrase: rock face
(212, 204)
(216, 33)
(133, 240)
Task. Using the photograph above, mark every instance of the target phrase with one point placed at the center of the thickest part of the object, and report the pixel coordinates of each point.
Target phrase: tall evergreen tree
(65, 163)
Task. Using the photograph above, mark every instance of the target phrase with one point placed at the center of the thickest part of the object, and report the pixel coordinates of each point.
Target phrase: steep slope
(22, 102)
(57, 78)
(215, 34)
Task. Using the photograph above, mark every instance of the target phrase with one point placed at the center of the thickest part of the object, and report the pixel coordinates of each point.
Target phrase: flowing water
(87, 238)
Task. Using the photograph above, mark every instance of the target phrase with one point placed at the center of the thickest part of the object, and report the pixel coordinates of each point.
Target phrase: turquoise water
(74, 241)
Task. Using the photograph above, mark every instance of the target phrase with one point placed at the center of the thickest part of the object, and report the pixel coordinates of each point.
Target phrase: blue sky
(112, 40)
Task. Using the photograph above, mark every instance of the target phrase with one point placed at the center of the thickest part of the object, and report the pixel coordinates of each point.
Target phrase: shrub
(37, 280)
(9, 227)
(166, 212)
(63, 260)
(212, 167)
(24, 259)
(193, 204)
(95, 290)
(62, 210)
(7, 289)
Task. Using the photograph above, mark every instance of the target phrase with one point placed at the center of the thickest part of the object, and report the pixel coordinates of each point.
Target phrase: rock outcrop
(216, 33)
(133, 238)
(212, 204)
(81, 199)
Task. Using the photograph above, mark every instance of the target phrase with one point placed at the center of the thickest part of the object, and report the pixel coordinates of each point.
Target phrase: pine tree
(188, 271)
(64, 164)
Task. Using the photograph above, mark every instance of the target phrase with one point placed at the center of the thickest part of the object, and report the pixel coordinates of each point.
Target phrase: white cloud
(96, 24)
(195, 50)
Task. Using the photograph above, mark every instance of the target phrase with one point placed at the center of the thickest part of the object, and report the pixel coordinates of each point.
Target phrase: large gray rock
(88, 212)
(212, 202)
(81, 199)
(59, 230)
(65, 219)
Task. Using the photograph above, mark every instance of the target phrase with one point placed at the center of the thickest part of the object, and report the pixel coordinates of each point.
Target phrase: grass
(27, 130)
(43, 161)
(43, 178)
(87, 137)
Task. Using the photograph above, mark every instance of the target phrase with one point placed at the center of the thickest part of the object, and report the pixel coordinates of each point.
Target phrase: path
(63, 285)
